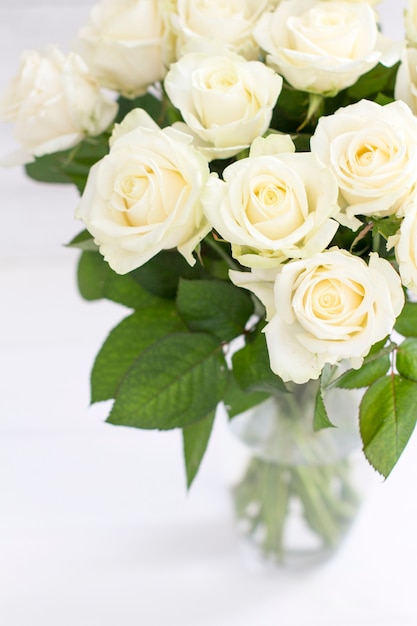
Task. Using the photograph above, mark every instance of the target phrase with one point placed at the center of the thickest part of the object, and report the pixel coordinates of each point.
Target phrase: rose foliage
(249, 194)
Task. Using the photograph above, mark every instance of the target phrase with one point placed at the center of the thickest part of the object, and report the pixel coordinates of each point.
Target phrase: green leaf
(70, 166)
(379, 80)
(321, 418)
(237, 401)
(214, 306)
(92, 275)
(162, 273)
(366, 375)
(153, 106)
(327, 375)
(290, 109)
(384, 346)
(173, 383)
(126, 342)
(387, 416)
(302, 142)
(83, 241)
(49, 169)
(195, 441)
(97, 280)
(406, 323)
(406, 359)
(216, 257)
(387, 226)
(383, 99)
(251, 367)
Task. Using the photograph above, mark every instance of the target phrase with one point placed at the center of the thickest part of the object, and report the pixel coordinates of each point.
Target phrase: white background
(96, 527)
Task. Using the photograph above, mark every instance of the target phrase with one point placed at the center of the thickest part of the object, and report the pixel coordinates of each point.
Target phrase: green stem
(315, 101)
(376, 240)
(320, 492)
(276, 498)
(326, 498)
(315, 511)
(217, 247)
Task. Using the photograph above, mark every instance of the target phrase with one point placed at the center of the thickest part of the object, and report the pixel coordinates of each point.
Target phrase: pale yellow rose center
(133, 188)
(270, 195)
(322, 30)
(146, 197)
(373, 156)
(220, 95)
(326, 18)
(221, 80)
(273, 208)
(332, 299)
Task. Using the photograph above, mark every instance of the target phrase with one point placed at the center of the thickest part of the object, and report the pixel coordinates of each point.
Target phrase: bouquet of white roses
(247, 171)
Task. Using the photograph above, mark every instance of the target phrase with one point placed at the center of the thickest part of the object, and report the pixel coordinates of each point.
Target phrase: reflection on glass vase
(299, 491)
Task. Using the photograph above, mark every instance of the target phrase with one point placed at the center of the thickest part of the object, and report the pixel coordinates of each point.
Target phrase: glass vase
(298, 491)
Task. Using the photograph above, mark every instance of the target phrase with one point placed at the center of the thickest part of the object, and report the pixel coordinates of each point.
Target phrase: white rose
(228, 21)
(372, 150)
(330, 307)
(371, 2)
(54, 102)
(273, 207)
(406, 79)
(126, 43)
(410, 22)
(405, 244)
(225, 100)
(323, 47)
(144, 196)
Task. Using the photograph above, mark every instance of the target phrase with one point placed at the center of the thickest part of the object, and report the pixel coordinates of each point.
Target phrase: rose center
(369, 155)
(221, 80)
(332, 299)
(270, 195)
(319, 17)
(133, 188)
(141, 198)
(326, 31)
(273, 208)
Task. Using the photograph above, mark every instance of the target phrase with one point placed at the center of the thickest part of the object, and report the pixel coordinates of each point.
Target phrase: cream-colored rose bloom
(225, 100)
(323, 47)
(405, 245)
(227, 21)
(273, 207)
(144, 196)
(372, 150)
(54, 102)
(330, 307)
(406, 79)
(371, 2)
(127, 44)
(410, 22)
